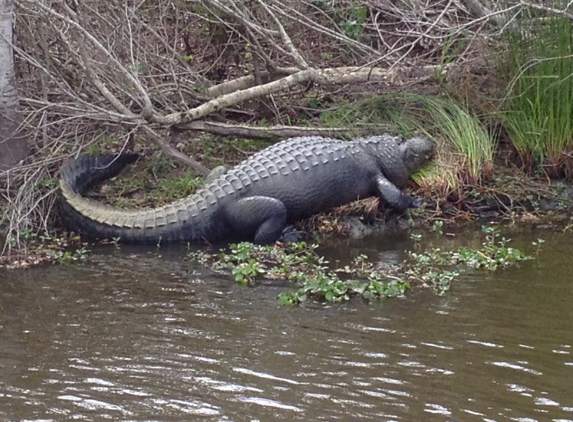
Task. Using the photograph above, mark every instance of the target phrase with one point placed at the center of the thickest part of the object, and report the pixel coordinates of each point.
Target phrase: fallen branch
(341, 75)
(248, 81)
(274, 132)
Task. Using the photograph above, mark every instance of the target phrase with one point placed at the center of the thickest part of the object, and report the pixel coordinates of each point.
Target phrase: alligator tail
(105, 222)
(87, 170)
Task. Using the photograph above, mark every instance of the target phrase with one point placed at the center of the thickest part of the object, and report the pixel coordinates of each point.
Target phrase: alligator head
(416, 152)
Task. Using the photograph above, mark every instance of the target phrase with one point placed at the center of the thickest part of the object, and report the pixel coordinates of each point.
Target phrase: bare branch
(300, 61)
(148, 107)
(274, 132)
(304, 20)
(480, 10)
(549, 9)
(106, 93)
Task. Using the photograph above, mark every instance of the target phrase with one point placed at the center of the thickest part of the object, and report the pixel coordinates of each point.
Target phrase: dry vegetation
(125, 75)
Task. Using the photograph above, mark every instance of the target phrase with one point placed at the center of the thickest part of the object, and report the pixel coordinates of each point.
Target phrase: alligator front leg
(394, 197)
(261, 216)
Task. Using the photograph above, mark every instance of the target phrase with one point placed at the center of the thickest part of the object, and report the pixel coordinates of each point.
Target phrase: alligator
(258, 198)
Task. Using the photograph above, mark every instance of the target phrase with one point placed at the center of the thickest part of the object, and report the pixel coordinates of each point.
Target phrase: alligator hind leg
(260, 216)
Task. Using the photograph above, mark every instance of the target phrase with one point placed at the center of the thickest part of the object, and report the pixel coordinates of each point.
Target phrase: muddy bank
(524, 200)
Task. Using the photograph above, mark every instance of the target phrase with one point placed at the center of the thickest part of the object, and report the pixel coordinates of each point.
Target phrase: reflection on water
(134, 336)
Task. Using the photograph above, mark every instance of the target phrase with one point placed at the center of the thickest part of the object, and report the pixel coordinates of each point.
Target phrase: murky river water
(130, 335)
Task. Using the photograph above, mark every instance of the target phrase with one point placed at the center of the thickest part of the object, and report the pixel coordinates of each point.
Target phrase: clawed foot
(289, 234)
(416, 202)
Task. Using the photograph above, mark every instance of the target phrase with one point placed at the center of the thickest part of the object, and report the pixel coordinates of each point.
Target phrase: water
(131, 335)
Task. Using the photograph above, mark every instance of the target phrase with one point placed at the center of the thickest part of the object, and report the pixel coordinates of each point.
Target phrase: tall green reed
(539, 108)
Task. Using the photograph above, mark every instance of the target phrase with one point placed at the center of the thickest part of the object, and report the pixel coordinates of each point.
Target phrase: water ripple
(516, 367)
(269, 403)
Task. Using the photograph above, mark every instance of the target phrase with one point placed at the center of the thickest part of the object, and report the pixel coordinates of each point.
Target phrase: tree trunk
(13, 145)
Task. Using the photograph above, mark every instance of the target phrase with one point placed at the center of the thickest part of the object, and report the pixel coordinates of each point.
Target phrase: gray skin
(255, 200)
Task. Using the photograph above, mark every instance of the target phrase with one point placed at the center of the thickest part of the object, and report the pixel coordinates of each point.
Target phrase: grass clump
(539, 103)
